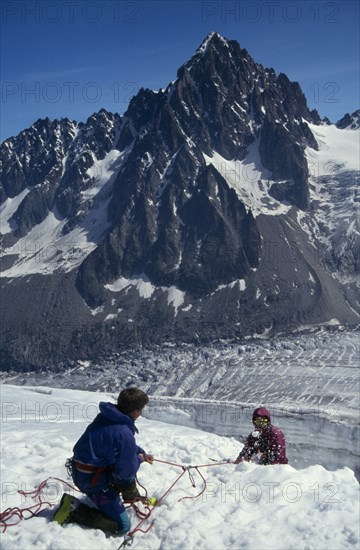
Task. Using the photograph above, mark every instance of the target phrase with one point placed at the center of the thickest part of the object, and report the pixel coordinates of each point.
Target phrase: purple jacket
(268, 443)
(109, 441)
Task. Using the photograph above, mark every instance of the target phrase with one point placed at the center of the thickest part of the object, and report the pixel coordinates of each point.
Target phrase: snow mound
(244, 506)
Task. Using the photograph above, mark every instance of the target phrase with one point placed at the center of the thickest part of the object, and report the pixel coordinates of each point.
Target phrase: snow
(243, 506)
(84, 364)
(202, 49)
(176, 298)
(337, 148)
(147, 161)
(8, 208)
(334, 181)
(101, 171)
(110, 316)
(142, 284)
(241, 283)
(146, 289)
(250, 180)
(45, 249)
(309, 381)
(311, 278)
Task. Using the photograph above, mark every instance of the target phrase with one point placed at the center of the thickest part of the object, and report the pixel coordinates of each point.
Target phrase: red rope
(142, 487)
(185, 469)
(171, 486)
(9, 513)
(214, 464)
(40, 506)
(140, 514)
(137, 528)
(203, 489)
(166, 462)
(33, 510)
(35, 493)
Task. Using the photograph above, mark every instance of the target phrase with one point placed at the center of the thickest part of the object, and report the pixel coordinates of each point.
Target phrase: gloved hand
(146, 458)
(241, 459)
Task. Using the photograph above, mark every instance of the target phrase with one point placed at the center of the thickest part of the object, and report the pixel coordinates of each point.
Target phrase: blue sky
(70, 58)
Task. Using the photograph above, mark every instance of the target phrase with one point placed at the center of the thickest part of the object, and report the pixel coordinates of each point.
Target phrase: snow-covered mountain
(218, 207)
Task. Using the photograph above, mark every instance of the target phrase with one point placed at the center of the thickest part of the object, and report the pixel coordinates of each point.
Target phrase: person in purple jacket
(106, 459)
(266, 444)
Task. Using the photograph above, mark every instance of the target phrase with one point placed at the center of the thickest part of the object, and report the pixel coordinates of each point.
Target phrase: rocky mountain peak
(27, 159)
(165, 218)
(213, 45)
(350, 122)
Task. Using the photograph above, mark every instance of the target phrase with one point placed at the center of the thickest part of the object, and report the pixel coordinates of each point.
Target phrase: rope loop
(30, 511)
(41, 505)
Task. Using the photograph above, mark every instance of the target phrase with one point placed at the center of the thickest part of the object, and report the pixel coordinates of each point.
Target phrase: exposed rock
(149, 242)
(351, 122)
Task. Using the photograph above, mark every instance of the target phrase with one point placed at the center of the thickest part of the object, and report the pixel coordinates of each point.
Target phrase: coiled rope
(30, 511)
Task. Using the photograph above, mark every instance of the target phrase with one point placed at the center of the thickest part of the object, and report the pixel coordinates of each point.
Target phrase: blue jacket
(109, 441)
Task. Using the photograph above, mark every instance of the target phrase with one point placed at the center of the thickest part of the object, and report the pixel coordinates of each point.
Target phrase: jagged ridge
(172, 218)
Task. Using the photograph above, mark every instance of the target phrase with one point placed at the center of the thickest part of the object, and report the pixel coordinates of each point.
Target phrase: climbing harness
(143, 515)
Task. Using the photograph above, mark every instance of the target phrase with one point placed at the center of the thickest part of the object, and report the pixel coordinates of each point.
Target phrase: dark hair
(131, 399)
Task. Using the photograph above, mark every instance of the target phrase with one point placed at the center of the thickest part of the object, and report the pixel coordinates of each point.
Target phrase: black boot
(92, 517)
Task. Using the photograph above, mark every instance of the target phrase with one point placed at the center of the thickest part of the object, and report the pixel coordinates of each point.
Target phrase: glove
(146, 458)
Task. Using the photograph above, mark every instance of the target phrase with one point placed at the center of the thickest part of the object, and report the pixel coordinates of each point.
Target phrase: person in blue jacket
(106, 459)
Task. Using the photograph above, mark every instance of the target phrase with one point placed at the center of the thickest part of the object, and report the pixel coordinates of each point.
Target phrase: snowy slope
(337, 149)
(334, 188)
(45, 249)
(250, 180)
(244, 506)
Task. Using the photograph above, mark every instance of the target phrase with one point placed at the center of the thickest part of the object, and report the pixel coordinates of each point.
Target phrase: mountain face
(348, 121)
(210, 209)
